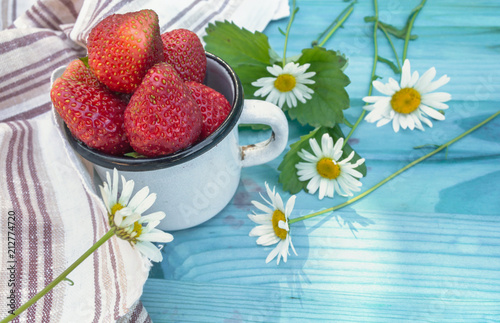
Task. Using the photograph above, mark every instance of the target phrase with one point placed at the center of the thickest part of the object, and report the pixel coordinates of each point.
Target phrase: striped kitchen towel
(50, 210)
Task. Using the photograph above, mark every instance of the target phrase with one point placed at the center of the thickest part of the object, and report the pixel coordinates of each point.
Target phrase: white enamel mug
(195, 184)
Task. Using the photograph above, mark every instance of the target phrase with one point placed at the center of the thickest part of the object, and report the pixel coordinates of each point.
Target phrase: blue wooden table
(423, 247)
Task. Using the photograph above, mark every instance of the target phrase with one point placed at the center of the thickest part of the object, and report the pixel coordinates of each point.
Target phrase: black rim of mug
(124, 163)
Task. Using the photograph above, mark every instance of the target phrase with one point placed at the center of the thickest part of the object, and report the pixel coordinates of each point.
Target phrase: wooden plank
(173, 301)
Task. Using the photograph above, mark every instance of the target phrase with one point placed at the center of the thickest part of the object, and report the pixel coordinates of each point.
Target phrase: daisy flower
(286, 85)
(273, 225)
(125, 215)
(325, 171)
(408, 104)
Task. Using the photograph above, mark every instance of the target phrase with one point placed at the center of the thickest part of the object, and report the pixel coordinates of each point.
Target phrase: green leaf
(249, 54)
(393, 66)
(330, 98)
(85, 61)
(134, 154)
(288, 173)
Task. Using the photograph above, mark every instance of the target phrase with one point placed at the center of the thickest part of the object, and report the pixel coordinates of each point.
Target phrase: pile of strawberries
(139, 90)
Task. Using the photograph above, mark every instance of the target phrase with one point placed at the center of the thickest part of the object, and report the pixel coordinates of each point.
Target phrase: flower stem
(415, 162)
(392, 45)
(374, 68)
(415, 12)
(60, 278)
(336, 24)
(292, 17)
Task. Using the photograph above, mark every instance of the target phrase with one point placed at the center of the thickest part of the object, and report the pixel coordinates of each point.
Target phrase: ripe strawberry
(78, 71)
(122, 47)
(162, 117)
(93, 114)
(184, 51)
(213, 105)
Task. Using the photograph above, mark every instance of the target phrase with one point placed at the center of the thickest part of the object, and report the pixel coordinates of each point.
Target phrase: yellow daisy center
(406, 100)
(285, 82)
(327, 168)
(137, 229)
(277, 217)
(116, 207)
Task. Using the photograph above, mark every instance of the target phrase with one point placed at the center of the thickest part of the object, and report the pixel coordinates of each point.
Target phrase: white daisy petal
(393, 85)
(382, 88)
(126, 217)
(323, 186)
(315, 147)
(291, 245)
(275, 70)
(146, 203)
(139, 197)
(373, 116)
(307, 156)
(337, 148)
(414, 79)
(278, 203)
(373, 99)
(283, 225)
(289, 206)
(128, 187)
(417, 122)
(437, 96)
(330, 189)
(155, 216)
(383, 121)
(426, 78)
(395, 123)
(299, 95)
(268, 239)
(425, 120)
(405, 74)
(114, 187)
(314, 184)
(435, 104)
(149, 250)
(403, 121)
(261, 230)
(436, 84)
(157, 235)
(260, 218)
(272, 255)
(327, 141)
(262, 207)
(432, 113)
(305, 175)
(382, 106)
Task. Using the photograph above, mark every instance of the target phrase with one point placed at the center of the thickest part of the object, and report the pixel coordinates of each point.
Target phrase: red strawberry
(93, 114)
(184, 51)
(78, 71)
(122, 47)
(162, 117)
(214, 107)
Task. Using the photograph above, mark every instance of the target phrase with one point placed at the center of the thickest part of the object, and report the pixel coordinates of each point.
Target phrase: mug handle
(266, 113)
